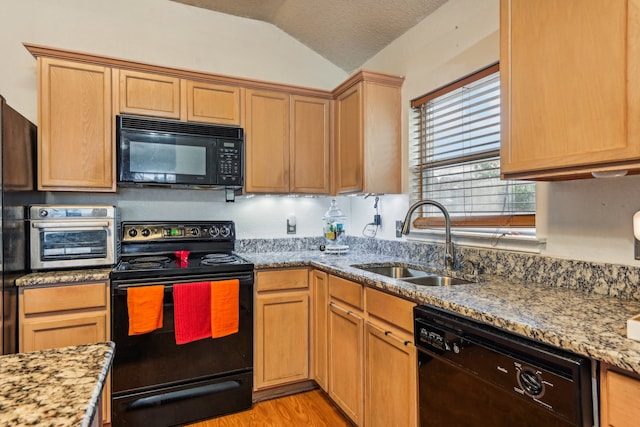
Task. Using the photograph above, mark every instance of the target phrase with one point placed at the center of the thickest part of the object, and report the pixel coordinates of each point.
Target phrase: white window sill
(512, 241)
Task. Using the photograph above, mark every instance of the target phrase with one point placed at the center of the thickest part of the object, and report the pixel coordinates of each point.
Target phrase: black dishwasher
(475, 375)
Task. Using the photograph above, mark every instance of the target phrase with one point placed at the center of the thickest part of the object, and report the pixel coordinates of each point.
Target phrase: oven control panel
(149, 232)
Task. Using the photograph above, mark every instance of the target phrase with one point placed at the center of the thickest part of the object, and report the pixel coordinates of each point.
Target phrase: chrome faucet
(448, 245)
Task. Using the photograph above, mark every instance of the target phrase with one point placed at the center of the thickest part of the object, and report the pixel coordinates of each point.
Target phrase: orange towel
(225, 310)
(144, 305)
(192, 311)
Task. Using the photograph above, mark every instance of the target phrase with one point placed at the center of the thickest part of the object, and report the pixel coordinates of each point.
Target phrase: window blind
(455, 156)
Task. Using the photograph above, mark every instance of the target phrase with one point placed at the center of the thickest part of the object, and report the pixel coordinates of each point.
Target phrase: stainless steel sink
(412, 275)
(392, 271)
(437, 280)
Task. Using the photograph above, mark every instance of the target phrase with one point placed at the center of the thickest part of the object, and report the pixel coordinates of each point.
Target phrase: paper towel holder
(636, 235)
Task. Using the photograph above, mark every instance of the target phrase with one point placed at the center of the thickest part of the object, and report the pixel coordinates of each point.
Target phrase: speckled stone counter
(63, 276)
(586, 323)
(58, 387)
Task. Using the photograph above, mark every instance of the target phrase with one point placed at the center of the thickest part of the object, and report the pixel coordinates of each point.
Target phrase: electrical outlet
(399, 228)
(291, 224)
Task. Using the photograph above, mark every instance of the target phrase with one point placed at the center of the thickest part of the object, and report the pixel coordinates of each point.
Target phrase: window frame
(507, 221)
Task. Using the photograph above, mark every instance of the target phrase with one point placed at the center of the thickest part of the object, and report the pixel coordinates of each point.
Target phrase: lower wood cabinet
(281, 331)
(390, 362)
(619, 398)
(65, 315)
(319, 327)
(346, 357)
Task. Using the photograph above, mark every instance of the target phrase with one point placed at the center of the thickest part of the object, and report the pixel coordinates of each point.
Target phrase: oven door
(69, 243)
(154, 360)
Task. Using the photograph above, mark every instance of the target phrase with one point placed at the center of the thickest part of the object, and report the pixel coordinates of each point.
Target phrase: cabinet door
(53, 332)
(391, 379)
(149, 94)
(620, 398)
(75, 148)
(319, 324)
(349, 154)
(570, 93)
(309, 166)
(212, 103)
(346, 360)
(282, 338)
(267, 142)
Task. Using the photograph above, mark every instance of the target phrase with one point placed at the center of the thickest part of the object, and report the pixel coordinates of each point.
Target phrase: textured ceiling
(346, 32)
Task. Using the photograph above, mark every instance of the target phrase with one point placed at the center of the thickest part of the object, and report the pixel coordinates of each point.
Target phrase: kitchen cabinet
(346, 347)
(211, 103)
(319, 325)
(281, 329)
(390, 362)
(367, 143)
(619, 397)
(65, 315)
(75, 146)
(148, 94)
(569, 79)
(287, 143)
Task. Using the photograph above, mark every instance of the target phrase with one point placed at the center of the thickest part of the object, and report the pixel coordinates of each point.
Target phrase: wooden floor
(311, 408)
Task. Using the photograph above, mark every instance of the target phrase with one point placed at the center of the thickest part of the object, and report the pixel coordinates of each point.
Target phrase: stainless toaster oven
(70, 236)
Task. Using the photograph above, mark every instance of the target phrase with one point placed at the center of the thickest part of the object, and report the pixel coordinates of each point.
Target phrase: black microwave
(178, 154)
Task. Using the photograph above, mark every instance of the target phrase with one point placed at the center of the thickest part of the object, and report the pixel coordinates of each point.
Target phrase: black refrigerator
(18, 147)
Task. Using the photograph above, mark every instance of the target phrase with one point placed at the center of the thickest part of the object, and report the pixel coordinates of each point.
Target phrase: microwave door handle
(69, 225)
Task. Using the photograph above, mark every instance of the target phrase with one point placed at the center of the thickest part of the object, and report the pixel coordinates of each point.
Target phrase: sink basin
(436, 280)
(392, 271)
(412, 275)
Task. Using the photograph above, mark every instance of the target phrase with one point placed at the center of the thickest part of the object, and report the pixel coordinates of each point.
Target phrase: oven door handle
(71, 225)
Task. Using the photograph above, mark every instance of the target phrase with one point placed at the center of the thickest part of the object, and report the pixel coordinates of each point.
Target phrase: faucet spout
(448, 247)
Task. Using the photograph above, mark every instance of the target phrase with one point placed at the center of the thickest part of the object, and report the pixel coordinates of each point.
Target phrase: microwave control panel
(229, 162)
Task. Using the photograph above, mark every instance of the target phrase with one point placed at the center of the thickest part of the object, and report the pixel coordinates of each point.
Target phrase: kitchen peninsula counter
(57, 387)
(585, 323)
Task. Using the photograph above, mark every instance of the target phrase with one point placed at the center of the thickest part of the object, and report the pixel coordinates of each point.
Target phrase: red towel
(224, 307)
(144, 306)
(192, 311)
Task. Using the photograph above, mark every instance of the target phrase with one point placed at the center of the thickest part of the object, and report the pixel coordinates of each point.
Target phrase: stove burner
(146, 265)
(213, 259)
(149, 259)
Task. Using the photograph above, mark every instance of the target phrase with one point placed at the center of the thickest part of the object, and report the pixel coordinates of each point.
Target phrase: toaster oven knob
(214, 231)
(225, 231)
(132, 232)
(145, 232)
(44, 212)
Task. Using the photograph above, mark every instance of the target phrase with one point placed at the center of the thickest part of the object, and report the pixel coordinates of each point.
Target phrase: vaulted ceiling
(346, 32)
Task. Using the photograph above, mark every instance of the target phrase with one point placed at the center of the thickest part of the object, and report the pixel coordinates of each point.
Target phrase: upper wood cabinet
(211, 103)
(309, 145)
(287, 143)
(75, 146)
(148, 94)
(570, 87)
(367, 142)
(267, 141)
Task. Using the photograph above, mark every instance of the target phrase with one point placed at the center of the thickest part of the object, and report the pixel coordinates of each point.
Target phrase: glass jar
(334, 225)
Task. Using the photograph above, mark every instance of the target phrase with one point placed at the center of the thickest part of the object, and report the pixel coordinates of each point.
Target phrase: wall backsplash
(619, 281)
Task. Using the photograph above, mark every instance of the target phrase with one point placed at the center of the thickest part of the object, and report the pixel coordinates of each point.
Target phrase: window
(456, 158)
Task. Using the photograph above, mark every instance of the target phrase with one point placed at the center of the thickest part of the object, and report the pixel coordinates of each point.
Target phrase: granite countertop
(585, 323)
(57, 387)
(55, 277)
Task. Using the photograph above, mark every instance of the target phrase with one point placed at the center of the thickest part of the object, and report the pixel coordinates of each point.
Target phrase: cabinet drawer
(346, 291)
(282, 279)
(62, 298)
(394, 310)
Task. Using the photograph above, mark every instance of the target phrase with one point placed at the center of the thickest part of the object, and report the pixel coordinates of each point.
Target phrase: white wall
(158, 32)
